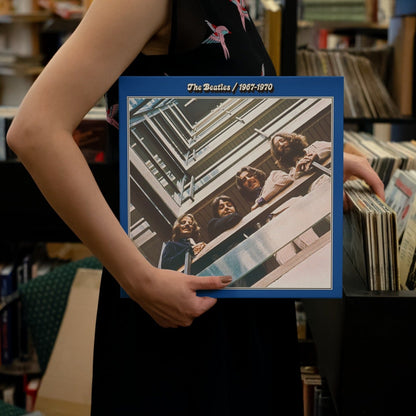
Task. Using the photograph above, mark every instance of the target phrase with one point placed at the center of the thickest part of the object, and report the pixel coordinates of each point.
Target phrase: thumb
(210, 282)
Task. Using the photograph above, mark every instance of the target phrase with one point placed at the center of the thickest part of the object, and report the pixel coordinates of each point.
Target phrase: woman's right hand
(356, 166)
(171, 298)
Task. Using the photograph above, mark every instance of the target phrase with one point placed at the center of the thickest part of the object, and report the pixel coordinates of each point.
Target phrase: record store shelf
(366, 347)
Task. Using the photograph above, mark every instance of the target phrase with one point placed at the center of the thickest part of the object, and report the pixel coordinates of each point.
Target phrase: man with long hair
(258, 189)
(293, 154)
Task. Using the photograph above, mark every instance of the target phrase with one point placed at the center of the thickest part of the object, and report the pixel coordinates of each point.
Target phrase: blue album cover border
(250, 87)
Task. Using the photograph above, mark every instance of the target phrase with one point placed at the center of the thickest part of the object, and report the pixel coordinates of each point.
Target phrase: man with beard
(292, 153)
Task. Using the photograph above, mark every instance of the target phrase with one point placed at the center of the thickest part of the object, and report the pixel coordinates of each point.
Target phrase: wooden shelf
(335, 24)
(35, 17)
(20, 71)
(19, 368)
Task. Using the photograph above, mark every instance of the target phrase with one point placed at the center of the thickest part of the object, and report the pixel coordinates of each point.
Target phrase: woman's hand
(358, 166)
(170, 297)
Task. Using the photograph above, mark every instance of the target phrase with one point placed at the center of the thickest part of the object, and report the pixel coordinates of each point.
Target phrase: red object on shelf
(31, 388)
(323, 36)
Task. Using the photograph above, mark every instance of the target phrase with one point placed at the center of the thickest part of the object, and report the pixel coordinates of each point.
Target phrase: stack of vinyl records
(401, 197)
(370, 237)
(384, 157)
(365, 95)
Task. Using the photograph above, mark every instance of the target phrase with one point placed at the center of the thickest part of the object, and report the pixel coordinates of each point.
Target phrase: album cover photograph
(236, 176)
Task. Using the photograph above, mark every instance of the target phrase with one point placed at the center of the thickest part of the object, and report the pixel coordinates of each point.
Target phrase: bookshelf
(356, 32)
(20, 53)
(365, 341)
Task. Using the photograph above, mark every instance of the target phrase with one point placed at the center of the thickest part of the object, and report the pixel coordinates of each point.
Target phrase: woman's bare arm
(108, 38)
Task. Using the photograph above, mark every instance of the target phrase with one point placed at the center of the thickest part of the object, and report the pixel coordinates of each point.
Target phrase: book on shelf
(5, 151)
(311, 380)
(7, 393)
(188, 146)
(65, 9)
(272, 31)
(8, 315)
(339, 10)
(25, 262)
(5, 6)
(24, 273)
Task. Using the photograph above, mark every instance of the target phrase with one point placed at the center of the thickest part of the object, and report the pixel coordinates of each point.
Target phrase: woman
(238, 356)
(185, 233)
(139, 366)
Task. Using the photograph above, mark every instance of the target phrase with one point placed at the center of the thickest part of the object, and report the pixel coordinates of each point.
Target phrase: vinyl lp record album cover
(236, 176)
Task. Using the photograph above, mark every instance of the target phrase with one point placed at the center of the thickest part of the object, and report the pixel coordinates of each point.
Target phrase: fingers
(376, 184)
(210, 282)
(174, 302)
(360, 167)
(205, 303)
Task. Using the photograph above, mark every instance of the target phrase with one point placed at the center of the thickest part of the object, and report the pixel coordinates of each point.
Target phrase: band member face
(225, 208)
(281, 144)
(249, 181)
(186, 227)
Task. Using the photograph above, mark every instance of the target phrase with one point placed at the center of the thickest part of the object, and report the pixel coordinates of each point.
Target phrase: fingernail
(226, 279)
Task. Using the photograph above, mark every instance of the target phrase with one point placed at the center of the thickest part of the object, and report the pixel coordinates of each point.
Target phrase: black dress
(240, 357)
